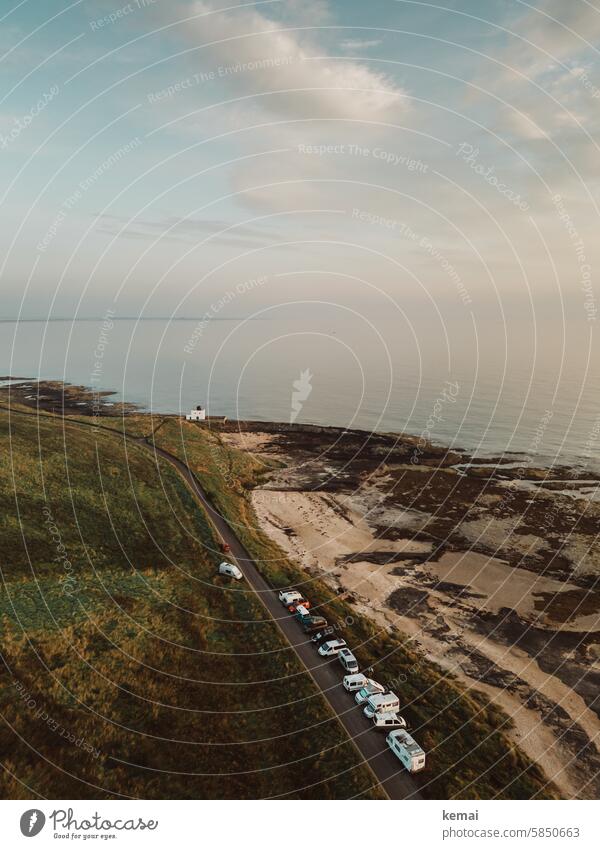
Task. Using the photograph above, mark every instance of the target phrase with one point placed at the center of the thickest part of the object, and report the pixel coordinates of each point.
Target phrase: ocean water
(481, 390)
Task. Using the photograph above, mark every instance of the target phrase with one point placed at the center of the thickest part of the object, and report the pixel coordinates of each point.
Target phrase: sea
(534, 393)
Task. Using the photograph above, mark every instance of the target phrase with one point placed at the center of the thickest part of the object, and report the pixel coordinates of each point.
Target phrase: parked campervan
(231, 570)
(381, 703)
(371, 688)
(407, 750)
(287, 597)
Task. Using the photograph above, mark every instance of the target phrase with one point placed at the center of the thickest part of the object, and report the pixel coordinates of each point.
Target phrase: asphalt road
(327, 674)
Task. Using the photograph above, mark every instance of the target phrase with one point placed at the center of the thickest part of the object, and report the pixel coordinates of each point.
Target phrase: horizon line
(129, 318)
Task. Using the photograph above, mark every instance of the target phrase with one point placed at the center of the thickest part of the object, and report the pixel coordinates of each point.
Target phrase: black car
(324, 634)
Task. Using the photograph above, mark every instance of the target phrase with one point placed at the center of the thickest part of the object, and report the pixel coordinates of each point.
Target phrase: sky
(184, 158)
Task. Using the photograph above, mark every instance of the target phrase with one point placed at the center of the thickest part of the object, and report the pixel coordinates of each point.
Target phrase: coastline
(455, 562)
(489, 573)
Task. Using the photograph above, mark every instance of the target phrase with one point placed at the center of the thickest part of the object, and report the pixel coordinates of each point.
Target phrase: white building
(197, 415)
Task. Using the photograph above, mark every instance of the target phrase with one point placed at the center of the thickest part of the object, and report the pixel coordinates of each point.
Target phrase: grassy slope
(469, 755)
(116, 640)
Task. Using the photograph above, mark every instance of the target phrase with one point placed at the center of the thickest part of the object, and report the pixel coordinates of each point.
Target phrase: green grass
(129, 667)
(469, 754)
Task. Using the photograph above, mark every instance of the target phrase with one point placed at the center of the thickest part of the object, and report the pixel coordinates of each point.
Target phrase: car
(289, 596)
(352, 683)
(388, 720)
(371, 688)
(348, 661)
(331, 648)
(406, 749)
(324, 634)
(312, 623)
(381, 703)
(225, 547)
(231, 571)
(300, 602)
(301, 613)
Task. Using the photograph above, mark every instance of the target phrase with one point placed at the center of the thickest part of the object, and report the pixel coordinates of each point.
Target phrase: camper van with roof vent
(381, 703)
(406, 749)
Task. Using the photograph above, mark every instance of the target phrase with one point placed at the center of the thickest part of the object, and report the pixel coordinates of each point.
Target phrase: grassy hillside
(463, 733)
(129, 668)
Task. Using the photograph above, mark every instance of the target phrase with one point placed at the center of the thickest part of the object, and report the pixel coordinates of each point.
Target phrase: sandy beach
(506, 606)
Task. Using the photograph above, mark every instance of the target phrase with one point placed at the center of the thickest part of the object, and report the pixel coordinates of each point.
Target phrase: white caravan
(381, 703)
(231, 570)
(406, 750)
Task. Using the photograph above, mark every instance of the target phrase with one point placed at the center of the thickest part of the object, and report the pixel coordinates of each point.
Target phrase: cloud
(305, 12)
(359, 43)
(547, 72)
(522, 125)
(188, 229)
(560, 29)
(288, 74)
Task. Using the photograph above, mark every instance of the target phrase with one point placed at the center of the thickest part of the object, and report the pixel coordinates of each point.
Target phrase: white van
(406, 750)
(231, 570)
(331, 648)
(388, 720)
(288, 597)
(371, 688)
(352, 683)
(348, 661)
(381, 703)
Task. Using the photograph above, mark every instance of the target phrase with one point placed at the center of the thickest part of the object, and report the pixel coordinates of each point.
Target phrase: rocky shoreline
(492, 573)
(54, 396)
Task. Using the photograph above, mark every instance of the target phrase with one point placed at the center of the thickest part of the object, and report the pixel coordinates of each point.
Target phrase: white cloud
(254, 55)
(560, 28)
(546, 72)
(188, 229)
(359, 43)
(522, 125)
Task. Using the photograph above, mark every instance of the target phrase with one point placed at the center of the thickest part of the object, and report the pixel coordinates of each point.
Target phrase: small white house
(197, 415)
